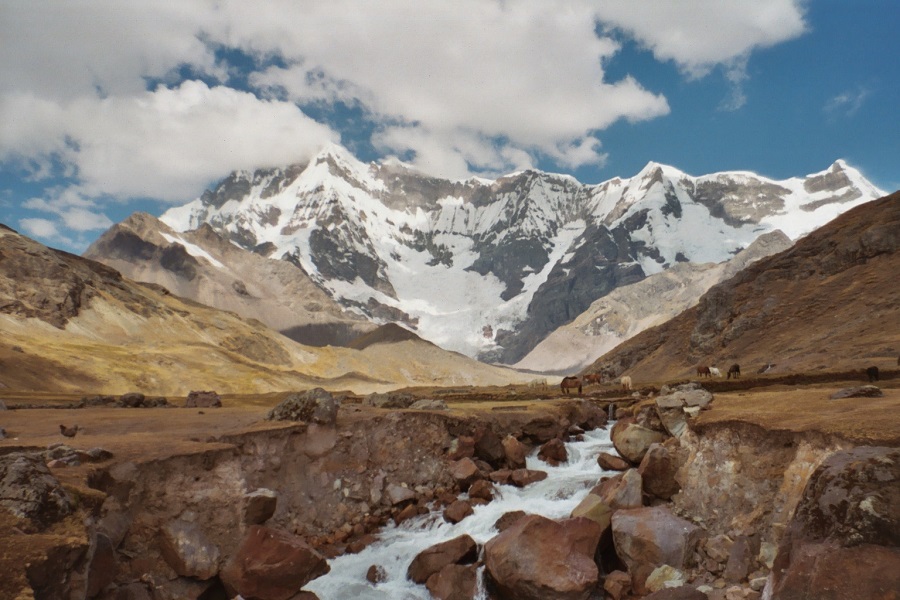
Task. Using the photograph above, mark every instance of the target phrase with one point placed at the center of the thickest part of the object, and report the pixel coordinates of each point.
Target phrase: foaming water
(554, 497)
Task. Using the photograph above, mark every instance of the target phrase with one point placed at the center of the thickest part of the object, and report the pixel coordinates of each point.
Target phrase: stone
(460, 550)
(390, 400)
(553, 452)
(259, 506)
(408, 512)
(674, 420)
(592, 507)
(186, 548)
(102, 568)
(272, 564)
(611, 462)
(489, 447)
(632, 441)
(454, 582)
(844, 538)
(625, 490)
(617, 584)
(684, 592)
(658, 469)
(312, 406)
(522, 477)
(508, 519)
(376, 574)
(515, 452)
(863, 391)
(457, 511)
(538, 558)
(740, 560)
(646, 538)
(204, 399)
(462, 447)
(663, 577)
(428, 404)
(465, 472)
(131, 400)
(482, 489)
(397, 494)
(29, 491)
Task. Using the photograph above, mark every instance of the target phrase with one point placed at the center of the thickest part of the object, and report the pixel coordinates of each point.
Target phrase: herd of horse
(576, 382)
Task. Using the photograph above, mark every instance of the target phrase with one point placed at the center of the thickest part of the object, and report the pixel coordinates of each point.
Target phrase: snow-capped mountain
(490, 267)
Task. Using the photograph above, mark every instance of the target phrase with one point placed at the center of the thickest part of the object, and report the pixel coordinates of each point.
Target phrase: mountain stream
(554, 497)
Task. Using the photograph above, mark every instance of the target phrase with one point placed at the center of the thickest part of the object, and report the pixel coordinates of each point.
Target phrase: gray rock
(312, 406)
(29, 491)
(390, 400)
(429, 404)
(188, 551)
(863, 391)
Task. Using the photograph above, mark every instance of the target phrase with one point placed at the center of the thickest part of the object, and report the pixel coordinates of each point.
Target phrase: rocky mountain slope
(630, 309)
(206, 268)
(830, 302)
(75, 325)
(489, 268)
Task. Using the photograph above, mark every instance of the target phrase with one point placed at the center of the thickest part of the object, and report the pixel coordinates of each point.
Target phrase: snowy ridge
(490, 267)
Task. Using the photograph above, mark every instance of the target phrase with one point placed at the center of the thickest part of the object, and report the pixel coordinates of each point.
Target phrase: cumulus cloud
(42, 228)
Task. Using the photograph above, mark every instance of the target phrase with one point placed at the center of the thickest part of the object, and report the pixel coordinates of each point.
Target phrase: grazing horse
(569, 383)
(715, 372)
(735, 370)
(703, 372)
(872, 372)
(626, 383)
(593, 378)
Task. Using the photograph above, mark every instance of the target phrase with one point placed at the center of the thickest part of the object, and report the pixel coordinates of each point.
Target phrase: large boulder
(611, 462)
(489, 447)
(312, 406)
(272, 565)
(538, 559)
(29, 491)
(594, 508)
(465, 472)
(259, 506)
(647, 538)
(188, 551)
(205, 399)
(553, 452)
(844, 539)
(658, 469)
(515, 452)
(622, 491)
(460, 550)
(454, 582)
(632, 440)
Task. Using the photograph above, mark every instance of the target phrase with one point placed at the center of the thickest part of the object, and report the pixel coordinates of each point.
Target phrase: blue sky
(111, 107)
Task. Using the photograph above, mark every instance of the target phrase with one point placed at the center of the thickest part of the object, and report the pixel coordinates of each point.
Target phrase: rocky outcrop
(632, 440)
(312, 406)
(844, 539)
(29, 491)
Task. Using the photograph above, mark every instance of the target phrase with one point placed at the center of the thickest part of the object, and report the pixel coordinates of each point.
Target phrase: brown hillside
(831, 302)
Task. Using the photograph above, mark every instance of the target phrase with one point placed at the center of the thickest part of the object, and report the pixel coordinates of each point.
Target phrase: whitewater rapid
(554, 498)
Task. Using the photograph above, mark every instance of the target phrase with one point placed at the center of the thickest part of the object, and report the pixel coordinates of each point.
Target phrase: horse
(715, 372)
(872, 373)
(734, 370)
(569, 383)
(703, 372)
(593, 378)
(626, 383)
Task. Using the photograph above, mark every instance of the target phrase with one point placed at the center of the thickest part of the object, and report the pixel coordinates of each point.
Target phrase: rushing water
(554, 497)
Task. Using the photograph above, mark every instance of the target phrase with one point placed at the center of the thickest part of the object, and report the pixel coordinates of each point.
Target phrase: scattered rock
(259, 506)
(457, 511)
(617, 584)
(482, 489)
(390, 400)
(272, 564)
(312, 406)
(622, 491)
(522, 477)
(611, 462)
(515, 452)
(646, 538)
(465, 472)
(664, 577)
(553, 452)
(454, 582)
(207, 399)
(538, 558)
(863, 391)
(376, 574)
(632, 441)
(428, 404)
(684, 592)
(397, 494)
(460, 550)
(132, 400)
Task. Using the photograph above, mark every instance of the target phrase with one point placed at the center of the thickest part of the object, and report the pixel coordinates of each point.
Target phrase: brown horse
(734, 370)
(569, 383)
(593, 378)
(703, 372)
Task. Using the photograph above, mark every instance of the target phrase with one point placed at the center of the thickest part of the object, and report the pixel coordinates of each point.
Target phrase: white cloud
(43, 228)
(847, 103)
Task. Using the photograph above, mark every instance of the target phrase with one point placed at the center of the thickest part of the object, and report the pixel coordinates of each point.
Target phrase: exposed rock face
(844, 540)
(537, 558)
(188, 550)
(29, 491)
(272, 565)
